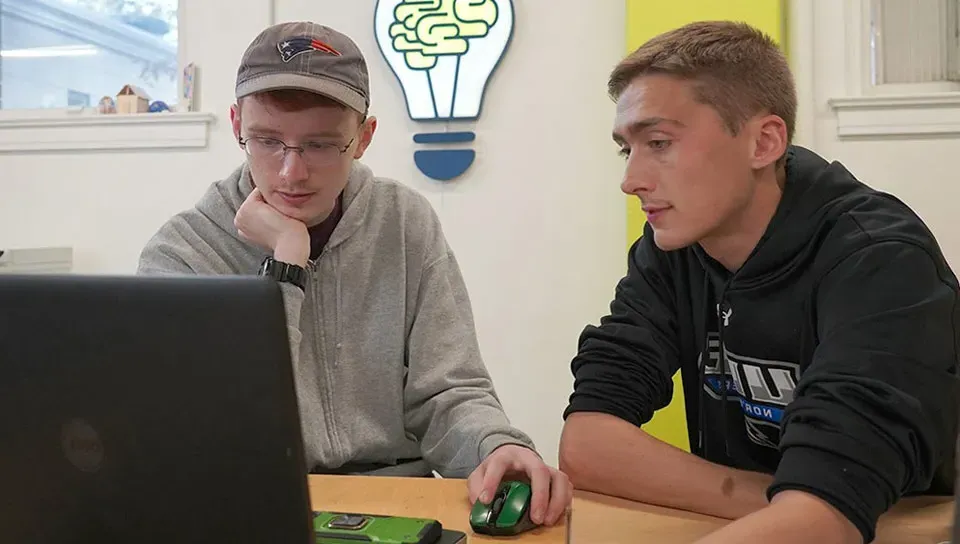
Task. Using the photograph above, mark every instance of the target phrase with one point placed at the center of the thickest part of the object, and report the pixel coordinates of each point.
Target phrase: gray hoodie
(385, 355)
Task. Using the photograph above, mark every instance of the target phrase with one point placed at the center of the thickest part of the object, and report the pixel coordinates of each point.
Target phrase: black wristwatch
(284, 272)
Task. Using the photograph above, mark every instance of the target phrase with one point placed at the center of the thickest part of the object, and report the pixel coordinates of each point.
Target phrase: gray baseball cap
(307, 56)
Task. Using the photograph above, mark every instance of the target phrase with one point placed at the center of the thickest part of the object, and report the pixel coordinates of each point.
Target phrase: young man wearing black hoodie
(811, 317)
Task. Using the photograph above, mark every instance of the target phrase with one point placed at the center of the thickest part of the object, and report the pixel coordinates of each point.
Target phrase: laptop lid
(148, 410)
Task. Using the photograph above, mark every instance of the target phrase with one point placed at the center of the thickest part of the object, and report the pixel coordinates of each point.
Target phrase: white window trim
(886, 110)
(78, 129)
(907, 115)
(58, 131)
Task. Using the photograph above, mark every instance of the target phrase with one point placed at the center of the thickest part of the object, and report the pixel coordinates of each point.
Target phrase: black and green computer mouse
(507, 514)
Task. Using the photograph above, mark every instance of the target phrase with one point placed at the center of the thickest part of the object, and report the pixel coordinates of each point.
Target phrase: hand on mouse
(552, 491)
(260, 223)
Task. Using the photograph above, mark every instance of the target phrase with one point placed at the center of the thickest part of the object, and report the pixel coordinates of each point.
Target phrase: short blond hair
(736, 69)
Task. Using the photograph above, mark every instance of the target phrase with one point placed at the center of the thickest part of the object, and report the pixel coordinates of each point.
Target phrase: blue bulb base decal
(443, 164)
(444, 137)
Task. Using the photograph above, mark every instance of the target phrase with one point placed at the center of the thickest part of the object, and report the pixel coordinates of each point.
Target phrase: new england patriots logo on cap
(294, 46)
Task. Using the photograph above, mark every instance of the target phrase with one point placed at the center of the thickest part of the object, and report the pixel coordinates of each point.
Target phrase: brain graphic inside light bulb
(443, 53)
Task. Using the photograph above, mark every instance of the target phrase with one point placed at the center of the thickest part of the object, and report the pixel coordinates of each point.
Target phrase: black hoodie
(839, 368)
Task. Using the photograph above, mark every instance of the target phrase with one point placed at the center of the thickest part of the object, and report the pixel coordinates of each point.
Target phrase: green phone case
(351, 528)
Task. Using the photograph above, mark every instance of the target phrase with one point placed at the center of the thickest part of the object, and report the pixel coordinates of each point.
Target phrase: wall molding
(36, 260)
(934, 114)
(96, 132)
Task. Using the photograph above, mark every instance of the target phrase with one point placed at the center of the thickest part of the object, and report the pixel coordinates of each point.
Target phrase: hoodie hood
(221, 202)
(814, 191)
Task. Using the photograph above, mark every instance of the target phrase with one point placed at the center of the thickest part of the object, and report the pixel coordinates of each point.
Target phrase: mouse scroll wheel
(498, 503)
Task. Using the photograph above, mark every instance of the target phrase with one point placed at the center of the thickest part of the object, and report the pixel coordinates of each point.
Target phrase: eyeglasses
(274, 150)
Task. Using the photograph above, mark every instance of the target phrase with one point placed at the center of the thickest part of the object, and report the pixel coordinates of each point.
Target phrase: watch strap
(284, 272)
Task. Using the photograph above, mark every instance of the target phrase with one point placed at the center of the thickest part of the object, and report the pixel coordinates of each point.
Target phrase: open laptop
(148, 410)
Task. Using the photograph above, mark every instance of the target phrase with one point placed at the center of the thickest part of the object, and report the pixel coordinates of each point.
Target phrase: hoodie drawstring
(723, 373)
(704, 357)
(722, 360)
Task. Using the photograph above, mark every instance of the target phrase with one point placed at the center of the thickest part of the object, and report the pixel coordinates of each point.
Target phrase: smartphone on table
(353, 528)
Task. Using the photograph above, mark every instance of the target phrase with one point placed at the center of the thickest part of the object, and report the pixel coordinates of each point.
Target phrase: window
(63, 53)
(913, 46)
(893, 65)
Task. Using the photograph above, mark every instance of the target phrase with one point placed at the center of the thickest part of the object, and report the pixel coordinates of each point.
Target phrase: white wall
(538, 222)
(827, 47)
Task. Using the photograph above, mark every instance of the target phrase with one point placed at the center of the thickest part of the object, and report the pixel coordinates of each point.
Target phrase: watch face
(265, 266)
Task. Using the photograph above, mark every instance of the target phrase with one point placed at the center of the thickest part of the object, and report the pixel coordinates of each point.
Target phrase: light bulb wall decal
(443, 53)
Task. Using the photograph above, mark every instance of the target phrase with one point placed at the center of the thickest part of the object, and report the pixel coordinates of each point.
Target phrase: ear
(235, 120)
(366, 136)
(770, 141)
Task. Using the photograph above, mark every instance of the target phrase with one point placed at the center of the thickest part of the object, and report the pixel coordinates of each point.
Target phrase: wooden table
(596, 519)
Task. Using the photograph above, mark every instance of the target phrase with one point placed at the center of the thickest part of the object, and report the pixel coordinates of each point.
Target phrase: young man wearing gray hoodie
(389, 374)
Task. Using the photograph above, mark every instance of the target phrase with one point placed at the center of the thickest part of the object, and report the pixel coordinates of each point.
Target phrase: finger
(561, 495)
(540, 484)
(496, 467)
(475, 483)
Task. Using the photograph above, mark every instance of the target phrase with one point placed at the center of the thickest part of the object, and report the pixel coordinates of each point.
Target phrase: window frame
(869, 59)
(82, 128)
(868, 110)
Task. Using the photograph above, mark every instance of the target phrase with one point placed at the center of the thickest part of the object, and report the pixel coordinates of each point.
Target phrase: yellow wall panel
(646, 19)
